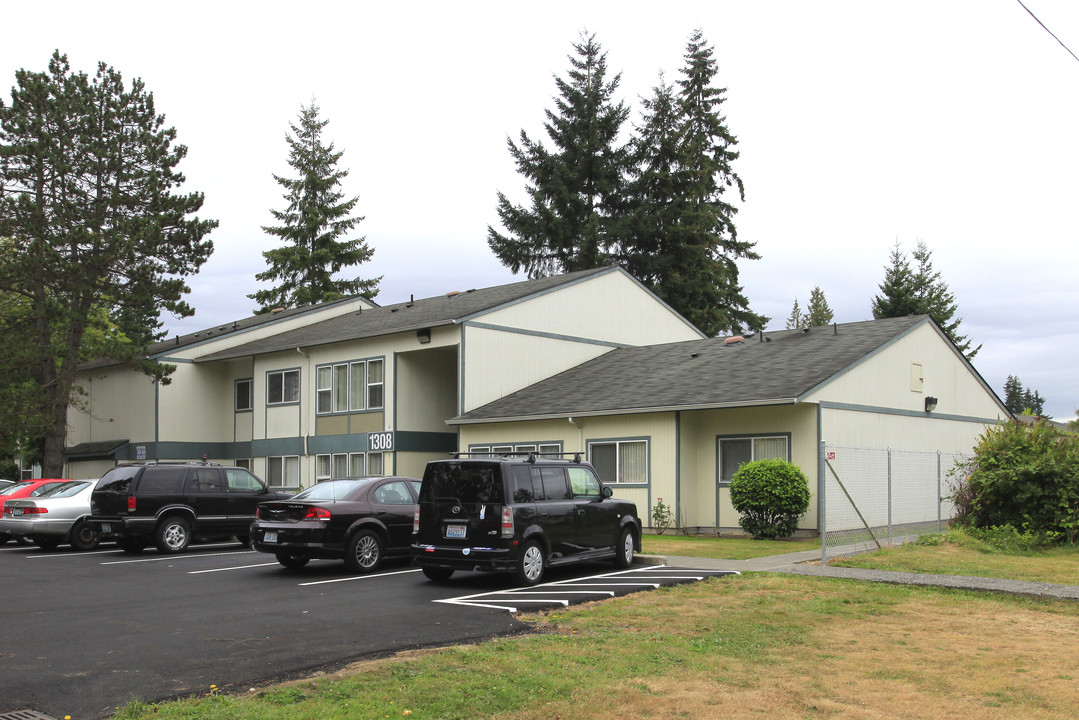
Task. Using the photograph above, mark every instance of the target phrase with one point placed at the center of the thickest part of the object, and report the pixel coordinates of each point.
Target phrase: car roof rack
(530, 455)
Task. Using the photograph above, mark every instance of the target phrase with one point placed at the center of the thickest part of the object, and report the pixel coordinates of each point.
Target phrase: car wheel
(531, 564)
(291, 561)
(84, 536)
(49, 542)
(438, 574)
(4, 539)
(130, 544)
(364, 552)
(623, 551)
(172, 534)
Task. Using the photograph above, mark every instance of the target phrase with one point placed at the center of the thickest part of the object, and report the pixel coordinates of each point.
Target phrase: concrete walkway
(799, 563)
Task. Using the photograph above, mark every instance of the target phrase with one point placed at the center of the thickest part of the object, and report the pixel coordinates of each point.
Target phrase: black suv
(170, 503)
(518, 514)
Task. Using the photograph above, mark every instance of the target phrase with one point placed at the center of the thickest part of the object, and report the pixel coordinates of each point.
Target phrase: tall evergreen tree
(313, 223)
(818, 312)
(681, 237)
(1013, 395)
(797, 318)
(87, 202)
(575, 189)
(920, 290)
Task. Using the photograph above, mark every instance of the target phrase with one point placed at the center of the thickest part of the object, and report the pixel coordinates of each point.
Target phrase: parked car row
(516, 513)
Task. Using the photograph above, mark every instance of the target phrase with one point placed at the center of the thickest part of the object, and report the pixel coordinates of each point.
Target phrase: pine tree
(313, 222)
(576, 189)
(818, 312)
(796, 319)
(920, 291)
(1033, 402)
(1013, 395)
(707, 284)
(87, 204)
(680, 238)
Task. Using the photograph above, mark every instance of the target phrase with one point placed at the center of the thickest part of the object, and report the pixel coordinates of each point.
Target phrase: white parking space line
(180, 556)
(83, 553)
(226, 569)
(634, 577)
(358, 577)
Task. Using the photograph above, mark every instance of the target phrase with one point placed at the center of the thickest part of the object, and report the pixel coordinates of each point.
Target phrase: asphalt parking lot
(83, 633)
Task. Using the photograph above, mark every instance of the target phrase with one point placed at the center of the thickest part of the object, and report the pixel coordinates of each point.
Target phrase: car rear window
(64, 489)
(12, 488)
(118, 479)
(466, 482)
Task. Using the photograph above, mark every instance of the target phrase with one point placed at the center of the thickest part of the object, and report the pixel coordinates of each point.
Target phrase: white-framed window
(282, 386)
(349, 386)
(357, 464)
(375, 464)
(283, 471)
(620, 461)
(245, 395)
(736, 451)
(331, 467)
(519, 448)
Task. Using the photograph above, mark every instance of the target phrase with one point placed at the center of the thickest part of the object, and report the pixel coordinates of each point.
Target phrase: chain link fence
(874, 497)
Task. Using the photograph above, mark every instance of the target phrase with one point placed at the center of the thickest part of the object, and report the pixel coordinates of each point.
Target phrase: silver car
(54, 517)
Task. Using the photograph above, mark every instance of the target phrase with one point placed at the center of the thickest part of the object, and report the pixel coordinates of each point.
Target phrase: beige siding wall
(498, 363)
(426, 389)
(885, 379)
(701, 497)
(611, 307)
(120, 406)
(87, 469)
(876, 430)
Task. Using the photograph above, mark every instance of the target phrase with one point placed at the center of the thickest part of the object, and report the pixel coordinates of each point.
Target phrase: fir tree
(576, 188)
(796, 319)
(87, 204)
(707, 284)
(313, 223)
(1013, 395)
(818, 312)
(920, 291)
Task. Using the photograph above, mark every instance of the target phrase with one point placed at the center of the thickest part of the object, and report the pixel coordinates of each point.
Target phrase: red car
(24, 489)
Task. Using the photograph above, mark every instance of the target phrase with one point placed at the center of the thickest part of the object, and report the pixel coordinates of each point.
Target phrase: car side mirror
(607, 492)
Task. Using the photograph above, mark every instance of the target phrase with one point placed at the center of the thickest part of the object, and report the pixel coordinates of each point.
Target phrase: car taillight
(317, 513)
(416, 521)
(27, 510)
(131, 503)
(507, 521)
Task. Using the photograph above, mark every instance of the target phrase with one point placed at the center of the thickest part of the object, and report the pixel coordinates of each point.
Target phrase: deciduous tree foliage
(94, 227)
(575, 188)
(313, 223)
(920, 290)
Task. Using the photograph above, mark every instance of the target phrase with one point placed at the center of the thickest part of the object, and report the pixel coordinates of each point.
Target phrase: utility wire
(1048, 31)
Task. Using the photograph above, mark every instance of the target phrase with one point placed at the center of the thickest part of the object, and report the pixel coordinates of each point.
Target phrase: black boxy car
(518, 514)
(169, 504)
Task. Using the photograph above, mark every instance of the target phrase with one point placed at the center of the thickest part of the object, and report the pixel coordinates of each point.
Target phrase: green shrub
(9, 470)
(1025, 477)
(771, 496)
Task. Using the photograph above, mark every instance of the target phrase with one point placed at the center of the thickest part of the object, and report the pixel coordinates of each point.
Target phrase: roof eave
(621, 411)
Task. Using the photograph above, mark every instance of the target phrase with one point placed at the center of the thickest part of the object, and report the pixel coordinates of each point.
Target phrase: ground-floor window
(375, 464)
(245, 463)
(620, 461)
(283, 471)
(518, 448)
(331, 467)
(735, 452)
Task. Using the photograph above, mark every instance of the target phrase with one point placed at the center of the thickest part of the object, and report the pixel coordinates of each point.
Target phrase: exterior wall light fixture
(930, 403)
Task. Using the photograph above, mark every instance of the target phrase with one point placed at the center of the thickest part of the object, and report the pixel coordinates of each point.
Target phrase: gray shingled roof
(403, 317)
(778, 367)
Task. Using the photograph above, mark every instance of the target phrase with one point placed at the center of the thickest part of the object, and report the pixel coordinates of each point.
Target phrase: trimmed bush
(771, 496)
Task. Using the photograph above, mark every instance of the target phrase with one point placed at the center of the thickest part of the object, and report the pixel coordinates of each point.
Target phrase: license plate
(106, 528)
(455, 531)
(270, 537)
(16, 511)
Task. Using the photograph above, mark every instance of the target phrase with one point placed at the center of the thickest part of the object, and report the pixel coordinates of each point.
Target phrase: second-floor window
(349, 386)
(245, 395)
(282, 386)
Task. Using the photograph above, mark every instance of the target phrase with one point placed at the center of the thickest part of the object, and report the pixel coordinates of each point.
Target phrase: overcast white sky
(859, 124)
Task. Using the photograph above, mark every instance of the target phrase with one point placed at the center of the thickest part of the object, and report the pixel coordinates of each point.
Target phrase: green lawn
(725, 548)
(957, 553)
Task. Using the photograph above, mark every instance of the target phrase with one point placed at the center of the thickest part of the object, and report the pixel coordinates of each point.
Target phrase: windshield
(332, 490)
(466, 482)
(65, 489)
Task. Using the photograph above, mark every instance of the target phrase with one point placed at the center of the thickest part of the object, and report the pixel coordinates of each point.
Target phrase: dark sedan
(358, 520)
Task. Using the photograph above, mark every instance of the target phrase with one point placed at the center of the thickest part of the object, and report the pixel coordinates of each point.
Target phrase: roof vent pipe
(835, 328)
